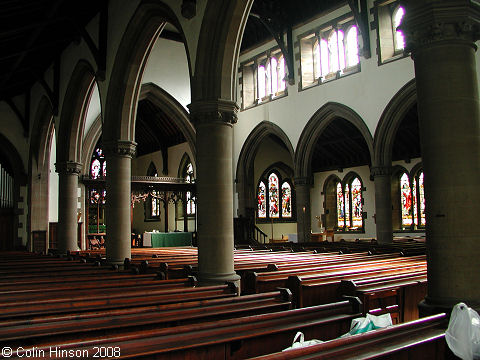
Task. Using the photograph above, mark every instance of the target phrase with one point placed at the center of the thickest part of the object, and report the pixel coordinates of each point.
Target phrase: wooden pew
(267, 281)
(420, 339)
(69, 303)
(405, 290)
(96, 324)
(237, 338)
(318, 288)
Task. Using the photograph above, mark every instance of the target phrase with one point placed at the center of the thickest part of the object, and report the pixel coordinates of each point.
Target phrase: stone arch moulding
(389, 122)
(39, 167)
(218, 50)
(175, 111)
(183, 163)
(314, 128)
(74, 110)
(142, 31)
(245, 166)
(89, 143)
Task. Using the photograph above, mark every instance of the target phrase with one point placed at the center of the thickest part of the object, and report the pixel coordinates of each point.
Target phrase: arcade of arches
(320, 135)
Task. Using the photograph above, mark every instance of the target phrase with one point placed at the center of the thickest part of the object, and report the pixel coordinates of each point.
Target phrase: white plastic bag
(463, 333)
(370, 322)
(301, 342)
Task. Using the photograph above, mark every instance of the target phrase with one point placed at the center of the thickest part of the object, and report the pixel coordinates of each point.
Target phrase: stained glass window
(98, 164)
(341, 50)
(347, 206)
(281, 74)
(340, 206)
(191, 206)
(261, 82)
(415, 202)
(406, 200)
(324, 57)
(273, 196)
(357, 212)
(421, 192)
(333, 51)
(262, 200)
(286, 200)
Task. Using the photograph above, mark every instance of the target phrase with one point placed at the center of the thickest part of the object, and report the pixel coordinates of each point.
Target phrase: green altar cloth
(171, 239)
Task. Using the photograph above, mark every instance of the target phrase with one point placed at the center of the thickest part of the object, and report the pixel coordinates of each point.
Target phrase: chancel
(207, 178)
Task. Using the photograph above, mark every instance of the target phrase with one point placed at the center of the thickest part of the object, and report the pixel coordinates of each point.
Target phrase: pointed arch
(89, 143)
(216, 74)
(74, 110)
(152, 169)
(172, 108)
(314, 128)
(39, 167)
(390, 121)
(183, 164)
(245, 167)
(142, 31)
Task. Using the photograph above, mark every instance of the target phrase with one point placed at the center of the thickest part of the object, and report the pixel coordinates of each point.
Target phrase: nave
(154, 308)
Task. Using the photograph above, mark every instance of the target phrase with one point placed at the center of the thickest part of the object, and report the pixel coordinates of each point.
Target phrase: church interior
(206, 179)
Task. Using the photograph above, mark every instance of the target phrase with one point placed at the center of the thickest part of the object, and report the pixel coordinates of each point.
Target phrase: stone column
(441, 36)
(304, 221)
(383, 203)
(68, 172)
(214, 125)
(118, 154)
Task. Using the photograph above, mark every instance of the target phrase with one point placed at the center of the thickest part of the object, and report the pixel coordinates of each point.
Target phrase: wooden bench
(419, 339)
(405, 290)
(69, 303)
(237, 338)
(317, 288)
(100, 323)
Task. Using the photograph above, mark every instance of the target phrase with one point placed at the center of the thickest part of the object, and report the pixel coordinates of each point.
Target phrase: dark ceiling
(340, 146)
(406, 145)
(154, 130)
(33, 33)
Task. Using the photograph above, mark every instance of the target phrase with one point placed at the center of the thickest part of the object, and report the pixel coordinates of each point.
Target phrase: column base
(215, 279)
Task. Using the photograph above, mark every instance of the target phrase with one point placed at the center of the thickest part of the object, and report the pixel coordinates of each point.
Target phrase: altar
(163, 239)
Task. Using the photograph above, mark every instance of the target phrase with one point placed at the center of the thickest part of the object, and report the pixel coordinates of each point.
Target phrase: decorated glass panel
(415, 203)
(95, 169)
(286, 200)
(406, 200)
(190, 204)
(421, 192)
(274, 86)
(340, 206)
(317, 67)
(357, 204)
(347, 206)
(273, 196)
(262, 201)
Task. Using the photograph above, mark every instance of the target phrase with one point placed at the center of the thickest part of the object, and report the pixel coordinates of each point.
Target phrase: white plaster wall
(167, 66)
(94, 110)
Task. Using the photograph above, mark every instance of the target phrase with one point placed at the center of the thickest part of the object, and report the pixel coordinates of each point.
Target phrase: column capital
(124, 148)
(429, 23)
(68, 167)
(224, 111)
(380, 171)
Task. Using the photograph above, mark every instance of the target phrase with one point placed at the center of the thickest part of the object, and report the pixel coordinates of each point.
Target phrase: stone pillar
(68, 172)
(304, 221)
(441, 36)
(383, 203)
(214, 125)
(118, 154)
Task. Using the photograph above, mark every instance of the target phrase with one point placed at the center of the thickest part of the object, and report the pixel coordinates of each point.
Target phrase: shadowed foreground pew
(420, 339)
(237, 338)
